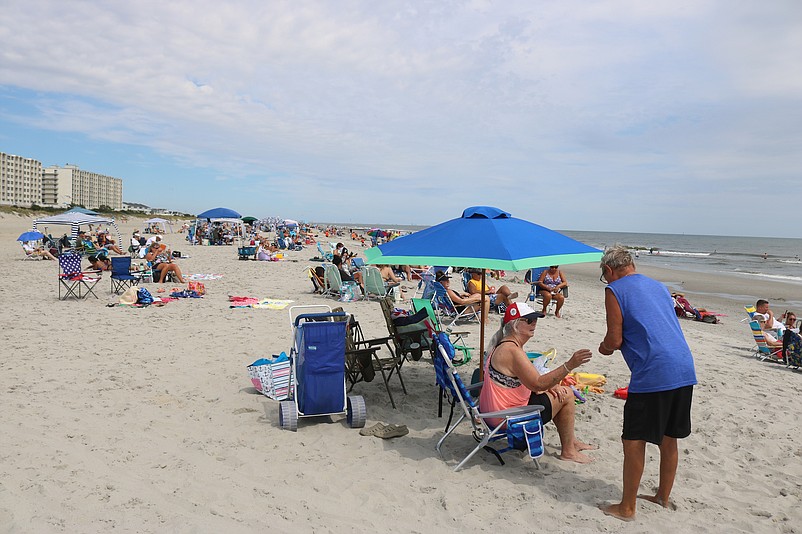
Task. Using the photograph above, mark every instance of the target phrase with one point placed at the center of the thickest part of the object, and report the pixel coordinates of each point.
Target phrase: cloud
(423, 108)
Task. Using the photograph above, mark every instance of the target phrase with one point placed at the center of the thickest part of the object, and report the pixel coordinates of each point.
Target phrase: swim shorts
(543, 400)
(650, 416)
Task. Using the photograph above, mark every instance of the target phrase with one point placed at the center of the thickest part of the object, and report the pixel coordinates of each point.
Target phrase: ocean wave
(677, 253)
(783, 277)
(795, 262)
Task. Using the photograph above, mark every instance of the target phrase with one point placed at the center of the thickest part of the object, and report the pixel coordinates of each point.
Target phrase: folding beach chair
(327, 256)
(521, 427)
(443, 305)
(362, 353)
(435, 327)
(375, 286)
(357, 263)
(333, 282)
(317, 278)
(533, 276)
(424, 289)
(762, 351)
(317, 361)
(121, 277)
(72, 280)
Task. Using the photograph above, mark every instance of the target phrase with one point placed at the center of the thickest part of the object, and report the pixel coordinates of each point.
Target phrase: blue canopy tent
(223, 215)
(484, 237)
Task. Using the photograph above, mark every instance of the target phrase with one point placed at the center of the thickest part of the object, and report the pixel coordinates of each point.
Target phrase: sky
(667, 116)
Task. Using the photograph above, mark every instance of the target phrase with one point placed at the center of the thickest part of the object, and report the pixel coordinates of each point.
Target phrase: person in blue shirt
(641, 323)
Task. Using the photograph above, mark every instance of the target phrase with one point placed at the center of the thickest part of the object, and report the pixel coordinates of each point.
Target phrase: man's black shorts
(650, 416)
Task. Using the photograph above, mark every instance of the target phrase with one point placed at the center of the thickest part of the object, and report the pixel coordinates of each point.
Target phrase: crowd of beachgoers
(145, 418)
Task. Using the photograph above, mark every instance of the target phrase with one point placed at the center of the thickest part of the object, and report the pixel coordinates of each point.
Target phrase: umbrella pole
(482, 319)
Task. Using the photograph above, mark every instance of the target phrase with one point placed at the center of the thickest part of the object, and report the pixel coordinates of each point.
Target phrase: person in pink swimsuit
(512, 381)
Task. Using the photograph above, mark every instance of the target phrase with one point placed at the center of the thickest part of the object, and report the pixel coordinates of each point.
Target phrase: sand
(144, 420)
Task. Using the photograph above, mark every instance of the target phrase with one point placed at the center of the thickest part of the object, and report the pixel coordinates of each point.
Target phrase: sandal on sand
(392, 431)
(372, 431)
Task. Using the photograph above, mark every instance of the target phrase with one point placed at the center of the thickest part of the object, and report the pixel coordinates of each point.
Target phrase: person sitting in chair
(30, 250)
(512, 381)
(344, 274)
(762, 307)
(161, 260)
(104, 241)
(550, 286)
(464, 300)
(499, 298)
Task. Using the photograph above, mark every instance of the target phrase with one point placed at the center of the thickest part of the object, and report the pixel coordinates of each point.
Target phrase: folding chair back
(521, 427)
(762, 350)
(373, 281)
(443, 304)
(72, 279)
(332, 278)
(121, 277)
(318, 281)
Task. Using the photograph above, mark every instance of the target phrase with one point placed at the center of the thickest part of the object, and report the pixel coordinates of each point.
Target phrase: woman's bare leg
(563, 412)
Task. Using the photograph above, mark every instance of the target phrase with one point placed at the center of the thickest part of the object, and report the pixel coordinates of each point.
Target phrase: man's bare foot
(582, 446)
(557, 315)
(615, 510)
(577, 457)
(657, 500)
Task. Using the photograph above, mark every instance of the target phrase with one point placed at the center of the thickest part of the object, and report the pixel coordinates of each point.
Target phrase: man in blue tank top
(641, 323)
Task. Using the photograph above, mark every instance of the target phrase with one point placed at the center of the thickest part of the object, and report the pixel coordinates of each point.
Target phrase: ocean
(775, 259)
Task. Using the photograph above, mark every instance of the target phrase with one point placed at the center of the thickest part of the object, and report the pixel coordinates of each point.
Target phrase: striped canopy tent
(75, 220)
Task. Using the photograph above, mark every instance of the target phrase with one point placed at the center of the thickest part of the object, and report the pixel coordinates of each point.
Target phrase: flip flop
(392, 431)
(372, 431)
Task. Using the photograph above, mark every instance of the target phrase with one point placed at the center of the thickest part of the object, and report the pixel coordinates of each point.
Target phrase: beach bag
(197, 287)
(144, 296)
(176, 254)
(526, 433)
(349, 292)
(273, 377)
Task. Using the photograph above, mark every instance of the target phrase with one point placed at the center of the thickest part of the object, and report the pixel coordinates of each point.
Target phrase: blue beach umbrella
(484, 237)
(30, 236)
(219, 213)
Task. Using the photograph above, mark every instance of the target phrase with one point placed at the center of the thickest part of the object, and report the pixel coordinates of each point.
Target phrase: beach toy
(580, 398)
(621, 393)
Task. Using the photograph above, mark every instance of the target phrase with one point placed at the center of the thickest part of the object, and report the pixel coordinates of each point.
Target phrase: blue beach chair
(521, 427)
(121, 277)
(318, 368)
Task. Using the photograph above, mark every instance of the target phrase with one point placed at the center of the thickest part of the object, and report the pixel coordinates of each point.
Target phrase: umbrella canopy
(79, 209)
(485, 238)
(75, 219)
(30, 236)
(249, 219)
(290, 222)
(219, 213)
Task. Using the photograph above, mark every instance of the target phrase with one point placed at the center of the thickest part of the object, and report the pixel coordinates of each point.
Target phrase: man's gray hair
(616, 257)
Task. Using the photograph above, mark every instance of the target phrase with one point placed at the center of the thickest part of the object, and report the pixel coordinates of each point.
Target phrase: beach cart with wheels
(317, 361)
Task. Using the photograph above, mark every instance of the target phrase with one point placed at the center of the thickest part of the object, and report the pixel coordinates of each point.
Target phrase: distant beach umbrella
(290, 222)
(484, 237)
(249, 220)
(30, 236)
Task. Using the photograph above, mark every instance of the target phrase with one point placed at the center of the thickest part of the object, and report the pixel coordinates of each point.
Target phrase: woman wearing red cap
(512, 381)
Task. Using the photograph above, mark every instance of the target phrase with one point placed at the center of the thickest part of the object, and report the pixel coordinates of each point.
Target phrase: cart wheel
(357, 412)
(288, 416)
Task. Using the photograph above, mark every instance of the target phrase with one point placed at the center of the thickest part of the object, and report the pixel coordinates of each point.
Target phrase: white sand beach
(119, 419)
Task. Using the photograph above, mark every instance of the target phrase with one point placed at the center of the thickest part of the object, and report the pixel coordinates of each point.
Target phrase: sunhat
(130, 296)
(520, 310)
(441, 276)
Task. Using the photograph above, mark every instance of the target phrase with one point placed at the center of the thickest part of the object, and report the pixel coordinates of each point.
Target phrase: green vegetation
(35, 211)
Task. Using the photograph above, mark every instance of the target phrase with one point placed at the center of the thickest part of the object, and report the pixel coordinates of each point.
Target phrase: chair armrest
(474, 387)
(511, 412)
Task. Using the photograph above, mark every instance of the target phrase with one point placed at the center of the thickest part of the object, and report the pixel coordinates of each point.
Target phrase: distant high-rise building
(62, 186)
(20, 180)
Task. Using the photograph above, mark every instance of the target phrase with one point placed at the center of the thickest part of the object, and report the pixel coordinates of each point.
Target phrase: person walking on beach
(641, 323)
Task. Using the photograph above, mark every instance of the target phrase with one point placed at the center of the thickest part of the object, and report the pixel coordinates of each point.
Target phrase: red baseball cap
(520, 310)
